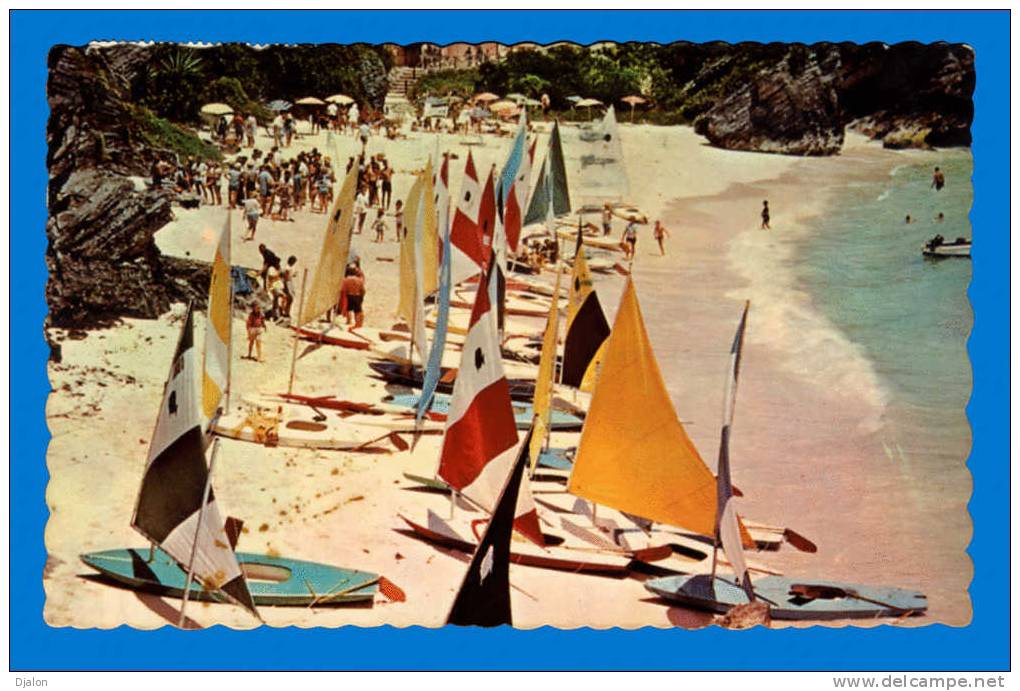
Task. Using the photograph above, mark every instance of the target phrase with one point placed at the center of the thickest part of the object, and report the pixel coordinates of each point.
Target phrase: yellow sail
(429, 244)
(216, 363)
(324, 292)
(542, 405)
(582, 306)
(634, 454)
(412, 213)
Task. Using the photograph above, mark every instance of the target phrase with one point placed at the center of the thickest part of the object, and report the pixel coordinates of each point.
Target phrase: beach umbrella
(588, 103)
(340, 99)
(279, 105)
(516, 98)
(217, 109)
(532, 103)
(633, 101)
(503, 106)
(310, 101)
(574, 99)
(486, 97)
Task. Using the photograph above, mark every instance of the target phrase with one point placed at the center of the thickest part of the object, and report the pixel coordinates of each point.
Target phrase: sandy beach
(809, 447)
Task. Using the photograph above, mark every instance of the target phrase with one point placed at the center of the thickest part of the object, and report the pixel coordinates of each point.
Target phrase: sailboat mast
(198, 530)
(297, 336)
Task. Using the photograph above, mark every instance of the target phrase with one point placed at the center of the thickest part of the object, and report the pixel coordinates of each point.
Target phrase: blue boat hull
(863, 601)
(272, 581)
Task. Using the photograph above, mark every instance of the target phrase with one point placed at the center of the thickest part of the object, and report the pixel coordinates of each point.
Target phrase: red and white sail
(468, 257)
(481, 434)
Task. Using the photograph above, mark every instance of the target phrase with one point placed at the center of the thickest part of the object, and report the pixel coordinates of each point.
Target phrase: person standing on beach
(353, 295)
(251, 214)
(660, 235)
(289, 275)
(938, 179)
(387, 184)
(398, 219)
(363, 133)
(630, 239)
(250, 125)
(607, 219)
(266, 184)
(765, 216)
(256, 325)
(234, 185)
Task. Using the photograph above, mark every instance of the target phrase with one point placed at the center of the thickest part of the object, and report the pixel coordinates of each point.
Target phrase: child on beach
(283, 193)
(256, 327)
(607, 219)
(398, 219)
(252, 208)
(660, 235)
(765, 215)
(379, 225)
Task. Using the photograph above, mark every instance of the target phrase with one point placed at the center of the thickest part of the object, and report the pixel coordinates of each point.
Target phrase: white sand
(343, 508)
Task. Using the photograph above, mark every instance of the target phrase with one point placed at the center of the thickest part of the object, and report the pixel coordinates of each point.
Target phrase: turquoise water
(909, 315)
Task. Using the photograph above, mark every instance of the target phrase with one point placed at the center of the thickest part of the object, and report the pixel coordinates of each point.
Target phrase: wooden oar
(831, 592)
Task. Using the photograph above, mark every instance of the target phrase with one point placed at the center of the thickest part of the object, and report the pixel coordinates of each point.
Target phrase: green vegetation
(680, 81)
(179, 80)
(229, 90)
(462, 83)
(159, 133)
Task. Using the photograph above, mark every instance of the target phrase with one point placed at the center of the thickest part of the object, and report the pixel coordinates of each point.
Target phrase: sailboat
(192, 548)
(786, 597)
(478, 449)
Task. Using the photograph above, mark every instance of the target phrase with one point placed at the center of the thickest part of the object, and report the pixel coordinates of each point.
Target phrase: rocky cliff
(905, 95)
(102, 260)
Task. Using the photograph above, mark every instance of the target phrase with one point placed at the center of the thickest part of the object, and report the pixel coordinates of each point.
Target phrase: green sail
(537, 209)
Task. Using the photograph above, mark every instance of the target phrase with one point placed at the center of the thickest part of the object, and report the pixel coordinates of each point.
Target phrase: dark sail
(484, 595)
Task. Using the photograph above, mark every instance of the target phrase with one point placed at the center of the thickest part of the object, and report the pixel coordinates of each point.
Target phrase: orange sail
(634, 454)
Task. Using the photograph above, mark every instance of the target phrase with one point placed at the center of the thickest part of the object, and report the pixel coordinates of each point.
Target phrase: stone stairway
(401, 79)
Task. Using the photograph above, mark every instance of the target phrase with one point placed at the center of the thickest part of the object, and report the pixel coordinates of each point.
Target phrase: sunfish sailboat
(479, 450)
(786, 598)
(192, 554)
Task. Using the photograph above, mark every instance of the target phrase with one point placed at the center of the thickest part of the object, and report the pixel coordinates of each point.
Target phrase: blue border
(984, 645)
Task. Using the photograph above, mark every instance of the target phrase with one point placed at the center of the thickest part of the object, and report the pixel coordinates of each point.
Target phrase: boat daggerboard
(324, 292)
(551, 192)
(216, 361)
(634, 454)
(169, 510)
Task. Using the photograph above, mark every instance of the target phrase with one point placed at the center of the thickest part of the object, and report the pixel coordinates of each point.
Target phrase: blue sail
(433, 368)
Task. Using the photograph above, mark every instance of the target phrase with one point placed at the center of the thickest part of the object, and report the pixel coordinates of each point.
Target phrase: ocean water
(907, 316)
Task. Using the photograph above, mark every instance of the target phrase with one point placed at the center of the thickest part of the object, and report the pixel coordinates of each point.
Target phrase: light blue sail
(433, 368)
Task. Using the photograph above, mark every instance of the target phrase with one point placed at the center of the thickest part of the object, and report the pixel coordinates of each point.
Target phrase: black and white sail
(484, 595)
(169, 507)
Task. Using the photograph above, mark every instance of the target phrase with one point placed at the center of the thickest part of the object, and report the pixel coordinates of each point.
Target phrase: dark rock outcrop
(790, 109)
(101, 257)
(907, 95)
